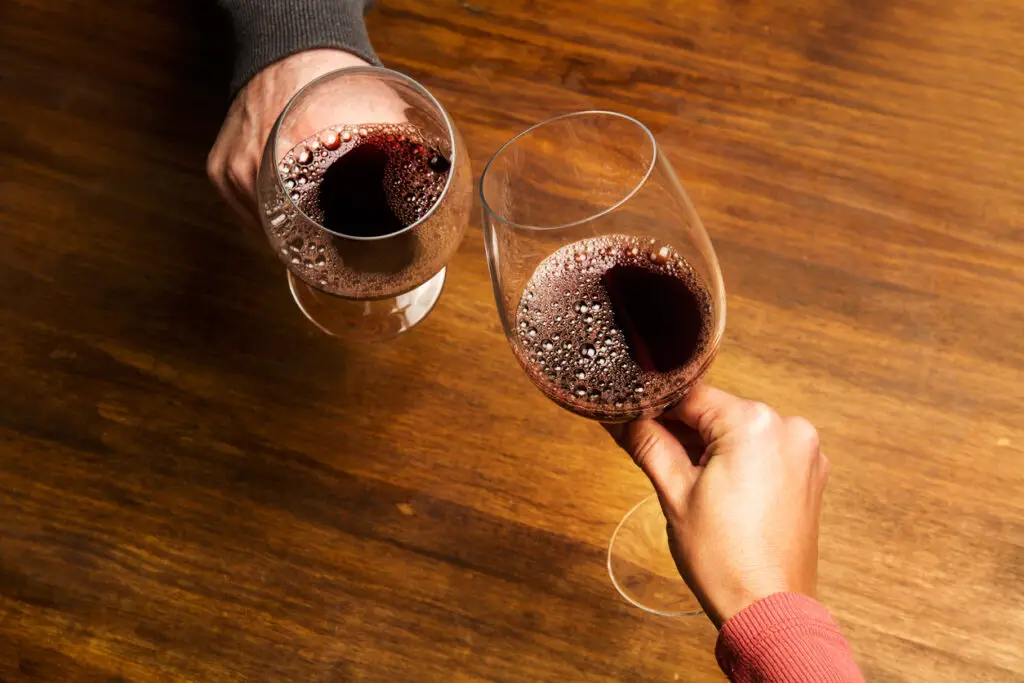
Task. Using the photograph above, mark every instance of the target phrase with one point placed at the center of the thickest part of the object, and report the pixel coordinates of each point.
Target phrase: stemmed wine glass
(610, 295)
(364, 191)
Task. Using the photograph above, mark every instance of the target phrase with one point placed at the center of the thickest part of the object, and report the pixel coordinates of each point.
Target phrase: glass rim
(603, 212)
(368, 70)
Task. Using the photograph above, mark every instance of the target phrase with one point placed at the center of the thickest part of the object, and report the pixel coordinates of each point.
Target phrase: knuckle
(758, 417)
(236, 172)
(708, 418)
(213, 165)
(247, 175)
(803, 432)
(759, 410)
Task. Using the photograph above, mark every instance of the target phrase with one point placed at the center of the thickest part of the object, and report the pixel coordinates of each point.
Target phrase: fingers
(714, 414)
(687, 437)
(660, 456)
(233, 163)
(804, 437)
(233, 172)
(236, 191)
(215, 170)
(671, 454)
(241, 173)
(803, 433)
(704, 409)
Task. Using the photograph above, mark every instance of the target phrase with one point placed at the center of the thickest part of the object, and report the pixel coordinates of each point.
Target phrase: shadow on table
(534, 562)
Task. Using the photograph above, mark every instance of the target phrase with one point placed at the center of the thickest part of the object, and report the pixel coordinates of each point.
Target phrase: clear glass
(579, 177)
(362, 287)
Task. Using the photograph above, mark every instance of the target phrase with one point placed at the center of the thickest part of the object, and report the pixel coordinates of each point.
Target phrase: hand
(741, 489)
(234, 161)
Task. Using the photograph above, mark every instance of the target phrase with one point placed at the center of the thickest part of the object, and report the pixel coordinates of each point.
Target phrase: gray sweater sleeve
(269, 30)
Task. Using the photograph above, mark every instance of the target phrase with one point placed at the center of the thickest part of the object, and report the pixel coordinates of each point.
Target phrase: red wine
(369, 182)
(614, 327)
(348, 183)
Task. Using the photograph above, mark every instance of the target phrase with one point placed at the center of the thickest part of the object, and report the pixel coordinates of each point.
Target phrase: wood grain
(196, 485)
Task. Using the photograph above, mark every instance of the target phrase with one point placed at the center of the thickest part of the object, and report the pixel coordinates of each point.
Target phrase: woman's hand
(741, 488)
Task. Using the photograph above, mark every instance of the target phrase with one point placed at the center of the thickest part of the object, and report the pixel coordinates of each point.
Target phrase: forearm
(785, 638)
(269, 30)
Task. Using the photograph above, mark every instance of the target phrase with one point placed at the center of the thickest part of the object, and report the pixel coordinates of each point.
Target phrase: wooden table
(197, 485)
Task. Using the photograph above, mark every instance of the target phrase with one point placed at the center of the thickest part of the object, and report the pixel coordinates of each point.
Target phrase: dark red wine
(611, 327)
(364, 181)
(369, 181)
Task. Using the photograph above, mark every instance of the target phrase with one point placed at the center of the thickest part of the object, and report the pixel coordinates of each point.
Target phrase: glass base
(641, 565)
(368, 320)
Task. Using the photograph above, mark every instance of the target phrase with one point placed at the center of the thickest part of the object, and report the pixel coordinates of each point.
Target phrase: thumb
(661, 457)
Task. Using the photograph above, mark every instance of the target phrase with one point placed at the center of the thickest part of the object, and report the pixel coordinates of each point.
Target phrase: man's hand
(741, 488)
(234, 161)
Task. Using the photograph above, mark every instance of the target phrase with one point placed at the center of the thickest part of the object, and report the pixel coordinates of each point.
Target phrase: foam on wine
(613, 327)
(371, 182)
(364, 181)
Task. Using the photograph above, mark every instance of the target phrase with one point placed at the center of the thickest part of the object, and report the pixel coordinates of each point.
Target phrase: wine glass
(610, 295)
(365, 189)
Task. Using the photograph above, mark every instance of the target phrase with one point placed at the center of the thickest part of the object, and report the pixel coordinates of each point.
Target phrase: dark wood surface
(196, 485)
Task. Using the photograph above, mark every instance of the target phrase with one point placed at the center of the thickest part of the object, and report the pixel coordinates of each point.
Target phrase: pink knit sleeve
(785, 638)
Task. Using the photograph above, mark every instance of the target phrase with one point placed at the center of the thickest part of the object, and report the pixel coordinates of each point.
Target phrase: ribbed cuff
(269, 30)
(785, 638)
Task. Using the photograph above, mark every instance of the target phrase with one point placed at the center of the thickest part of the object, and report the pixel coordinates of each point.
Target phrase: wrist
(729, 598)
(318, 61)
